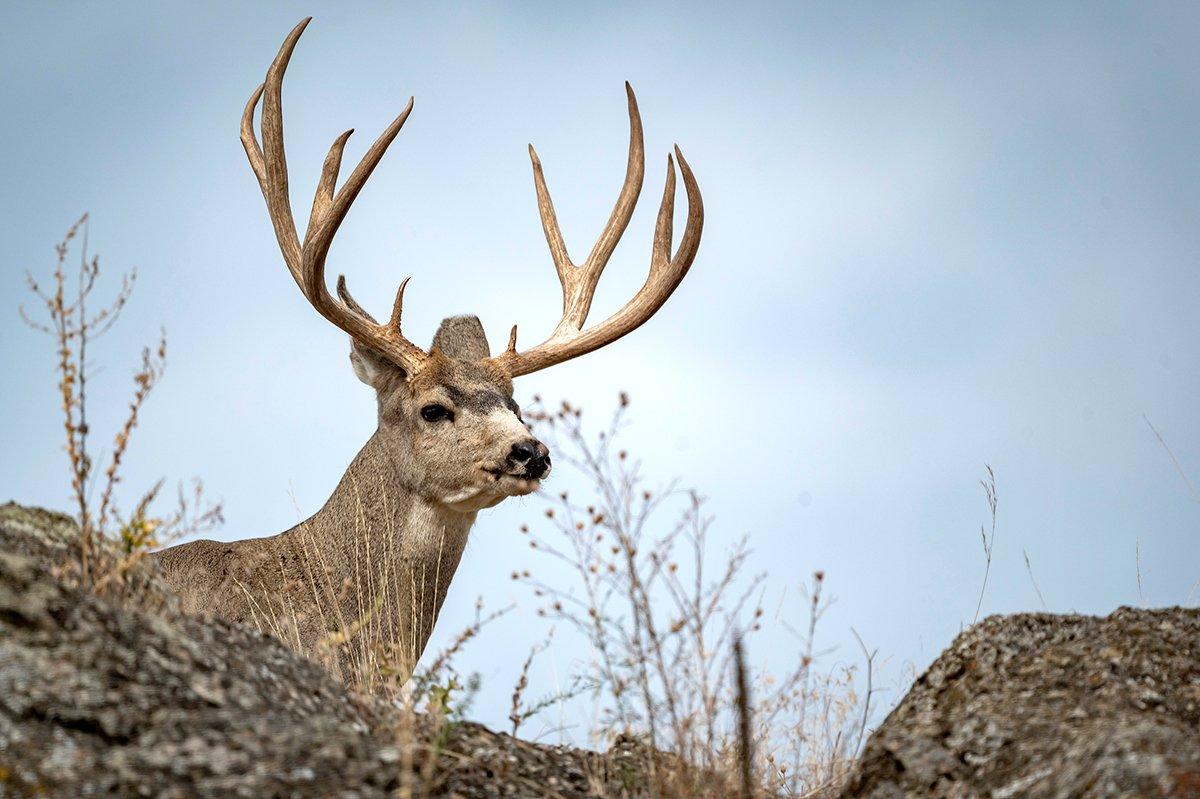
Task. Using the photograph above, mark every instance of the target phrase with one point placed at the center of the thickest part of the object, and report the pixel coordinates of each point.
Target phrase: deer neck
(397, 549)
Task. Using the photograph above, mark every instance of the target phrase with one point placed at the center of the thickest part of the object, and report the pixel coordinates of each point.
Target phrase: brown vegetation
(111, 542)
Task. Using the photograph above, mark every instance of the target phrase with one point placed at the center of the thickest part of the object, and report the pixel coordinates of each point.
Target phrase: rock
(35, 531)
(1041, 705)
(98, 699)
(100, 696)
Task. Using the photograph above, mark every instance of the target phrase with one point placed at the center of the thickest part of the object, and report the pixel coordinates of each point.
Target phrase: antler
(569, 339)
(307, 262)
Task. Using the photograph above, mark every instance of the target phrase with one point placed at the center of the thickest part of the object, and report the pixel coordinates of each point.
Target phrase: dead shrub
(663, 626)
(112, 543)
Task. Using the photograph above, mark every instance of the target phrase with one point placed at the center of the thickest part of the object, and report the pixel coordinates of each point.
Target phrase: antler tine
(346, 195)
(307, 262)
(276, 184)
(554, 237)
(676, 267)
(635, 172)
(250, 141)
(323, 197)
(666, 272)
(319, 236)
(579, 282)
(350, 302)
(329, 209)
(398, 306)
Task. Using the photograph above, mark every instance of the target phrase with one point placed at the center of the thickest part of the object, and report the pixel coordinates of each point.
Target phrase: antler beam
(306, 260)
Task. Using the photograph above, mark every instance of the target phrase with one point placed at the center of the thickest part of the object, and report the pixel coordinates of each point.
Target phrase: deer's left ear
(371, 367)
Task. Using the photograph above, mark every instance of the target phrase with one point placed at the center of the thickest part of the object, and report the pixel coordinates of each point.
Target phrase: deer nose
(534, 455)
(523, 451)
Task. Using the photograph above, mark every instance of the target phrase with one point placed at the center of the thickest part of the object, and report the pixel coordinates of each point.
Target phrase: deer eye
(436, 413)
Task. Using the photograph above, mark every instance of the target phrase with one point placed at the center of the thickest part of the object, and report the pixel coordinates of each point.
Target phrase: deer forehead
(482, 400)
(467, 385)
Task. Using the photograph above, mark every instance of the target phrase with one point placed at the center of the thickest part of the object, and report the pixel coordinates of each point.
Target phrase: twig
(866, 714)
(515, 715)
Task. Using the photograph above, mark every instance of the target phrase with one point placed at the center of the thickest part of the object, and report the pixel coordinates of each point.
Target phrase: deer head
(448, 413)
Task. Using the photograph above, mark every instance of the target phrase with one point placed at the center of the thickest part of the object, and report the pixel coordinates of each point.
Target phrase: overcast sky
(937, 236)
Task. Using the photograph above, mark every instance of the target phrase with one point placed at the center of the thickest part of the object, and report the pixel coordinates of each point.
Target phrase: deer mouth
(512, 484)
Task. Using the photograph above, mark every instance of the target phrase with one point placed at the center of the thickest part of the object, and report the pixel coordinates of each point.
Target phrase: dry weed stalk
(1193, 494)
(110, 544)
(744, 737)
(1037, 589)
(521, 710)
(663, 626)
(989, 539)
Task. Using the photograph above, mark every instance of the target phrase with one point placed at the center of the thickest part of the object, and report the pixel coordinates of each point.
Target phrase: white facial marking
(501, 429)
(506, 428)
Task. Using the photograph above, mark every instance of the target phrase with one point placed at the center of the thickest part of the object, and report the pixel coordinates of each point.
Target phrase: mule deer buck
(375, 562)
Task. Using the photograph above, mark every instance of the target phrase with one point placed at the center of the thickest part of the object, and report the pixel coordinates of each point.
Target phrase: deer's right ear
(371, 367)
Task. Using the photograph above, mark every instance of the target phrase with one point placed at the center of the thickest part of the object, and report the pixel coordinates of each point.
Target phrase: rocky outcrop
(1040, 705)
(97, 700)
(100, 698)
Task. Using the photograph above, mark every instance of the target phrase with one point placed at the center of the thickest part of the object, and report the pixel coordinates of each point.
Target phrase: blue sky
(937, 236)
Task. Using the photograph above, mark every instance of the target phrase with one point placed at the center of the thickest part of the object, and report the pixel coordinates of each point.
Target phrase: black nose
(524, 451)
(534, 455)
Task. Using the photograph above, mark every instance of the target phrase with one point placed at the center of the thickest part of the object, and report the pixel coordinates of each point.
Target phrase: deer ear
(371, 367)
(462, 339)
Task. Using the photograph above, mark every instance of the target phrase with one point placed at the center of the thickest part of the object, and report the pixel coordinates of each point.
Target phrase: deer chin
(495, 487)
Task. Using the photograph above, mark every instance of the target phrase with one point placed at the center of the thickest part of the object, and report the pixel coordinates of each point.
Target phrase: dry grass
(366, 646)
(371, 653)
(111, 543)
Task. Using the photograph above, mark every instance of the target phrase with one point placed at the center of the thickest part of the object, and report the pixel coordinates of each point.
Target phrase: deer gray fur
(365, 577)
